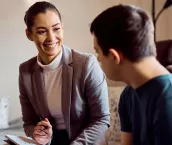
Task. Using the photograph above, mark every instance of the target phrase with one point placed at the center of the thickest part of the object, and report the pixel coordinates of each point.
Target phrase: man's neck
(143, 71)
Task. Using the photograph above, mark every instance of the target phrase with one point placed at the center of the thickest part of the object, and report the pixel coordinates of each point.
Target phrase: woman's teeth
(50, 45)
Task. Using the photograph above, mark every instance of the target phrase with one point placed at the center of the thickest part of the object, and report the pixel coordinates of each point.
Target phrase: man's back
(146, 112)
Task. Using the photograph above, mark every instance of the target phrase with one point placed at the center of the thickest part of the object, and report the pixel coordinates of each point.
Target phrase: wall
(14, 49)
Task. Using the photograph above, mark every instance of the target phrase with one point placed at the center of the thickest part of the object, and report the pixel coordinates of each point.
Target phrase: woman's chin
(52, 52)
(51, 55)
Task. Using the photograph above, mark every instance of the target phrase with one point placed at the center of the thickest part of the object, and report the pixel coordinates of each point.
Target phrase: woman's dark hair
(38, 7)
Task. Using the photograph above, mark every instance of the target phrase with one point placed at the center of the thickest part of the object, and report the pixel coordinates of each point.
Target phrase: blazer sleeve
(29, 116)
(97, 96)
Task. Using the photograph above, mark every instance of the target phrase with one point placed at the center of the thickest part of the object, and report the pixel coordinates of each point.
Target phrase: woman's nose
(51, 36)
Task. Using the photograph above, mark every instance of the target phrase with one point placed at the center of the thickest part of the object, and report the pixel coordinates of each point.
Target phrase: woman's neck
(47, 60)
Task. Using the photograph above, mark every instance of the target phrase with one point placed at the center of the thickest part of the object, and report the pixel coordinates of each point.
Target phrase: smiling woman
(60, 86)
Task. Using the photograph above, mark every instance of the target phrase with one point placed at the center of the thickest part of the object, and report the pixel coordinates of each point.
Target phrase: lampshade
(167, 4)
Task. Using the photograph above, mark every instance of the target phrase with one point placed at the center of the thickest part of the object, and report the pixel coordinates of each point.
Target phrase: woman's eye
(56, 29)
(41, 32)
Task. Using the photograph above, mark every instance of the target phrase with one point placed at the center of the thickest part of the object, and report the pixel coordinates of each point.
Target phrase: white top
(53, 88)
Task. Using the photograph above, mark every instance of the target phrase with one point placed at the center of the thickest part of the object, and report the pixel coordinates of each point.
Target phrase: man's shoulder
(166, 89)
(128, 90)
(162, 85)
(126, 96)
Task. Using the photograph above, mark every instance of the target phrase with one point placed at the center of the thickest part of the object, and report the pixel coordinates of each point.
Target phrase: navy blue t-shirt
(146, 112)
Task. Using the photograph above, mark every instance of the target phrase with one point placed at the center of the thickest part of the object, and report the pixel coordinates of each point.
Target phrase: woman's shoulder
(80, 61)
(79, 57)
(76, 53)
(83, 58)
(26, 65)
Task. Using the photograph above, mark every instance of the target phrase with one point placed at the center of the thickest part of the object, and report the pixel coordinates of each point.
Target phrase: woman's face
(47, 33)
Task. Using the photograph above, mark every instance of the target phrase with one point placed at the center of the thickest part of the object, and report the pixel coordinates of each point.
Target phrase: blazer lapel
(67, 74)
(39, 88)
(39, 92)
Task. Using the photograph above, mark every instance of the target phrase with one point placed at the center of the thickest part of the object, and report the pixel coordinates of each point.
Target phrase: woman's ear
(29, 35)
(115, 55)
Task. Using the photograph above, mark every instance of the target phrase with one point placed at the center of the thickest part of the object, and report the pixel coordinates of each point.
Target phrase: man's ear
(115, 55)
(29, 35)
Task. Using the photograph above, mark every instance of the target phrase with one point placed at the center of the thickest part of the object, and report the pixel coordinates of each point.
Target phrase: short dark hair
(38, 7)
(127, 29)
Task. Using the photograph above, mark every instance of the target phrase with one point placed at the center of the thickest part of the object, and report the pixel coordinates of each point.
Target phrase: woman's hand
(43, 132)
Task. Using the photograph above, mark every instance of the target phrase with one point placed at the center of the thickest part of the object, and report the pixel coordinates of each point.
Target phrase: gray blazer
(85, 105)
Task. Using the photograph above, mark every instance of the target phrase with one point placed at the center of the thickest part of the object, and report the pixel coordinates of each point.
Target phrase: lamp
(167, 4)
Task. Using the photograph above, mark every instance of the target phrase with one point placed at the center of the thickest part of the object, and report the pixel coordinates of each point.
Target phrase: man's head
(122, 32)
